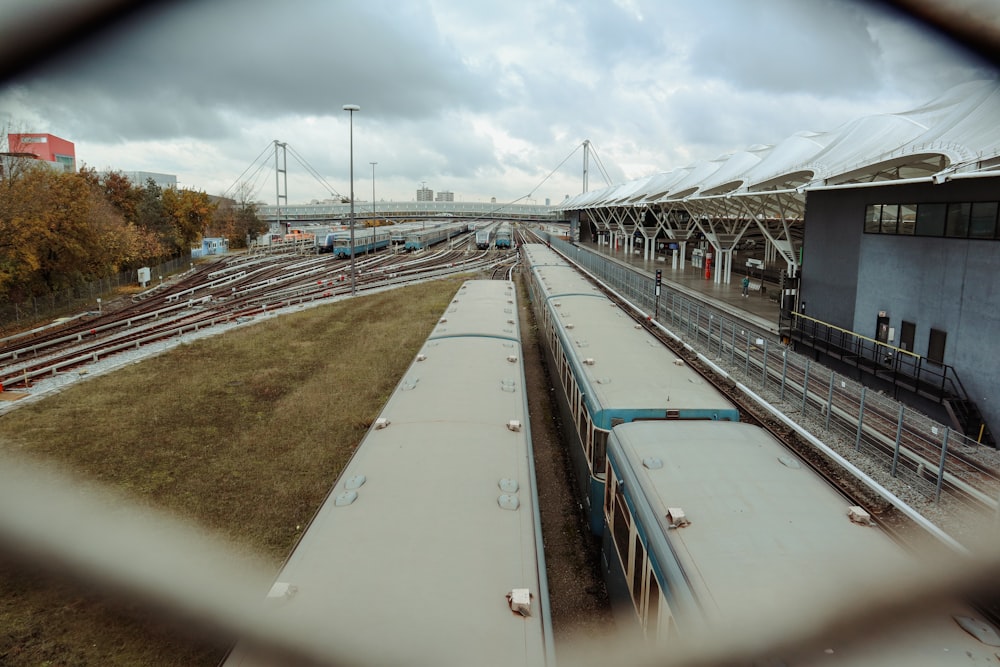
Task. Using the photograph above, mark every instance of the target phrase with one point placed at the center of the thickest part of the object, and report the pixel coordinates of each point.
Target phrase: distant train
(610, 371)
(425, 238)
(503, 235)
(484, 237)
(706, 521)
(367, 239)
(429, 547)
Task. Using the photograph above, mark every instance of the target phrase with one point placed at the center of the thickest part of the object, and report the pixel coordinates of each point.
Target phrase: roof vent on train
(381, 423)
(519, 600)
(589, 361)
(859, 516)
(355, 482)
(282, 590)
(346, 498)
(652, 462)
(507, 385)
(603, 380)
(676, 517)
(442, 320)
(512, 358)
(508, 501)
(407, 385)
(514, 425)
(508, 485)
(678, 362)
(570, 325)
(979, 629)
(790, 462)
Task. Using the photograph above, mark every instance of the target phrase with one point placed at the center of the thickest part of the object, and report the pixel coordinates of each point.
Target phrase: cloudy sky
(479, 97)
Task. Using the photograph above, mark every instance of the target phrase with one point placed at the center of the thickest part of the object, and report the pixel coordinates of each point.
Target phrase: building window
(983, 220)
(957, 225)
(957, 220)
(930, 219)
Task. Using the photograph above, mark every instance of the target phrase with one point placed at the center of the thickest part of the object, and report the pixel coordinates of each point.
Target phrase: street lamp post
(374, 227)
(351, 108)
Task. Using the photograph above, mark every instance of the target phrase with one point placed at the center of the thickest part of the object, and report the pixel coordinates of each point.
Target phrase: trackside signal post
(659, 280)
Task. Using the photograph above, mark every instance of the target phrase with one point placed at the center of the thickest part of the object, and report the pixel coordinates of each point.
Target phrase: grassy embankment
(243, 433)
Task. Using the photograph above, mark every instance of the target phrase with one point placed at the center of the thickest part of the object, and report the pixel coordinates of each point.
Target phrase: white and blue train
(610, 370)
(425, 238)
(428, 548)
(707, 524)
(503, 236)
(368, 239)
(484, 237)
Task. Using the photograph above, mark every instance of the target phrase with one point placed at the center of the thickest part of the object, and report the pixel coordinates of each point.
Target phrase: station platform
(758, 310)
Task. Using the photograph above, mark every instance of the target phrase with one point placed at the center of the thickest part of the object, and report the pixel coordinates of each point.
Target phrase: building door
(906, 334)
(935, 346)
(882, 328)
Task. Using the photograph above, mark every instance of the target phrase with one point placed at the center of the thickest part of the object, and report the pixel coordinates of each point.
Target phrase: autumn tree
(189, 213)
(237, 220)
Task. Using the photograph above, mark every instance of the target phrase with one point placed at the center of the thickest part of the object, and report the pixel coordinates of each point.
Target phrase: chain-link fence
(80, 297)
(908, 445)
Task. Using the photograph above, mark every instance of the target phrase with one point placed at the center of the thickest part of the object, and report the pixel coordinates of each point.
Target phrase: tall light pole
(351, 108)
(374, 227)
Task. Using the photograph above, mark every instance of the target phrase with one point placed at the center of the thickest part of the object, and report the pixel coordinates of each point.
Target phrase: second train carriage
(710, 525)
(610, 370)
(425, 238)
(428, 548)
(484, 237)
(503, 236)
(368, 239)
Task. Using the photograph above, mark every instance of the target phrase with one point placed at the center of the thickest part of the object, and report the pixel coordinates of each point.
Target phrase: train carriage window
(652, 604)
(608, 495)
(620, 528)
(600, 450)
(638, 570)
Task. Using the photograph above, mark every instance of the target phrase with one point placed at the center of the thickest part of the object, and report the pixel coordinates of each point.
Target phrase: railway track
(967, 480)
(231, 290)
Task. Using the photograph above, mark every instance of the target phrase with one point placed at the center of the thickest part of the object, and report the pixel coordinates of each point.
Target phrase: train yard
(239, 289)
(227, 292)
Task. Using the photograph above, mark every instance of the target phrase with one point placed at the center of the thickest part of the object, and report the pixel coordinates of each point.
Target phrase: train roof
(481, 308)
(622, 367)
(764, 529)
(433, 521)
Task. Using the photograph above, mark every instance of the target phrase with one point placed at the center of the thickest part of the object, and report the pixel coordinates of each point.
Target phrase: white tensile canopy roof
(956, 133)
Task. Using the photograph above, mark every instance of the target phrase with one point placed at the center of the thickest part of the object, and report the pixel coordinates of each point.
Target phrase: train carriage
(429, 545)
(610, 370)
(709, 525)
(368, 239)
(503, 236)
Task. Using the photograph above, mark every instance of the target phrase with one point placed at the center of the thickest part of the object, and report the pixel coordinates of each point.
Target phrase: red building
(47, 147)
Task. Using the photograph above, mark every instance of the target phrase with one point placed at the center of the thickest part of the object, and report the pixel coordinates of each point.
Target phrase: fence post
(899, 439)
(746, 368)
(732, 347)
(805, 386)
(763, 368)
(784, 371)
(944, 453)
(861, 420)
(829, 402)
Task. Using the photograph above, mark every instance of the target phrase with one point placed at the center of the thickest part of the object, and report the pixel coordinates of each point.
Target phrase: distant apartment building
(47, 147)
(444, 195)
(425, 194)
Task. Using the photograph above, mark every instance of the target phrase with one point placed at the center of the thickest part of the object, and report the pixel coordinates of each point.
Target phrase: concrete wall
(941, 283)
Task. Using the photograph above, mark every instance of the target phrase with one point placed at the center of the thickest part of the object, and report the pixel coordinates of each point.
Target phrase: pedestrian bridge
(406, 210)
